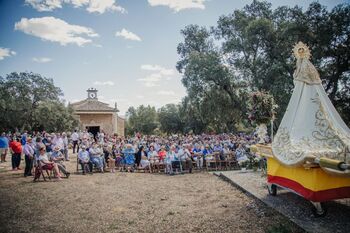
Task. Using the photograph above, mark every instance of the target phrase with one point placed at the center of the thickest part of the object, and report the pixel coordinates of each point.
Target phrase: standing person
(58, 141)
(16, 151)
(65, 146)
(24, 138)
(75, 139)
(48, 143)
(28, 151)
(4, 146)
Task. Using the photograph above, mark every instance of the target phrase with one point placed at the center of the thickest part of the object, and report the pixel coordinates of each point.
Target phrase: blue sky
(125, 48)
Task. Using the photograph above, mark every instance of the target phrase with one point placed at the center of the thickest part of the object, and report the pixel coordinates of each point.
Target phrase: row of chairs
(229, 163)
(215, 164)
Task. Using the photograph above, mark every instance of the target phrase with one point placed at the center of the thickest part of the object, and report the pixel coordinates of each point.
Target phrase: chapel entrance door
(94, 130)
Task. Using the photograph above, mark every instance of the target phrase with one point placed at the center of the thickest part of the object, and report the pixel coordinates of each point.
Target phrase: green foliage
(250, 50)
(143, 119)
(170, 119)
(29, 101)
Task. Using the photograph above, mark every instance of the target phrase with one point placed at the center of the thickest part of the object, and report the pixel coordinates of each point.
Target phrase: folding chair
(39, 171)
(232, 161)
(212, 161)
(177, 167)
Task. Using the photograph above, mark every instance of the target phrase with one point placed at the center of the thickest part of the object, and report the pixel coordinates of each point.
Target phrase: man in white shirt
(28, 151)
(75, 139)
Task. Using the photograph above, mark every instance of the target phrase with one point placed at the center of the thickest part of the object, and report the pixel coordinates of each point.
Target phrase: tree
(212, 87)
(252, 52)
(170, 119)
(143, 119)
(24, 100)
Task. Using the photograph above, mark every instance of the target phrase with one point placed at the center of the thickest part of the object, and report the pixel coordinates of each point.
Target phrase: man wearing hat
(28, 151)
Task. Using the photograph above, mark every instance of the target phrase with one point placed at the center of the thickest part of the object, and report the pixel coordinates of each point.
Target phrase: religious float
(310, 153)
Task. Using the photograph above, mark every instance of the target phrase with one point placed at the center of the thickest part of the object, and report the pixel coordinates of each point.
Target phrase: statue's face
(301, 51)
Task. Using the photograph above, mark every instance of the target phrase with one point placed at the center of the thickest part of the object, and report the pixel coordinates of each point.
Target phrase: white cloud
(92, 6)
(56, 30)
(100, 6)
(127, 35)
(162, 70)
(105, 83)
(166, 93)
(153, 79)
(178, 5)
(41, 59)
(5, 52)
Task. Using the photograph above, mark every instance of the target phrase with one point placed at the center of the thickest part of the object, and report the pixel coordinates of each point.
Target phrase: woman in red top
(16, 150)
(162, 153)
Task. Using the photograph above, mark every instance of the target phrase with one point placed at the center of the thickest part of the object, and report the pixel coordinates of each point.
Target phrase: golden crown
(301, 50)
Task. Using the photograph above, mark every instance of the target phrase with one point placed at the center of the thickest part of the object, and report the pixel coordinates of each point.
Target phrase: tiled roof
(91, 105)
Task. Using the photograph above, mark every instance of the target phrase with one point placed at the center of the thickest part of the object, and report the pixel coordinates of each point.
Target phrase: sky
(124, 48)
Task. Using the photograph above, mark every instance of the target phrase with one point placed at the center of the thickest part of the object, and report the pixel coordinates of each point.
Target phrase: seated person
(198, 156)
(116, 151)
(110, 158)
(153, 155)
(47, 164)
(162, 154)
(144, 163)
(96, 156)
(208, 153)
(58, 158)
(169, 159)
(241, 153)
(186, 157)
(225, 152)
(129, 157)
(84, 160)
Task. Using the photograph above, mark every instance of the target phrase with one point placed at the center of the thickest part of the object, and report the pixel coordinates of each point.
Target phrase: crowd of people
(104, 152)
(38, 148)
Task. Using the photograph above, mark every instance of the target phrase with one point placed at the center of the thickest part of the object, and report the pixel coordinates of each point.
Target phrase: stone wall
(104, 121)
(121, 126)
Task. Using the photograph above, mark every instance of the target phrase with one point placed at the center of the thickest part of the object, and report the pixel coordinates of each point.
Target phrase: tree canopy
(29, 101)
(250, 50)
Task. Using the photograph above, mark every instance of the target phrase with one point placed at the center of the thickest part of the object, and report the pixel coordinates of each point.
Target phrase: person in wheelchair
(84, 160)
(58, 158)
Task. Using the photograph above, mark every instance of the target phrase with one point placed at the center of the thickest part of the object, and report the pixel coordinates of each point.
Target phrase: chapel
(96, 116)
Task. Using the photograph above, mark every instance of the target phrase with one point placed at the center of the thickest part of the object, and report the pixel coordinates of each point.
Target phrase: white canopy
(311, 126)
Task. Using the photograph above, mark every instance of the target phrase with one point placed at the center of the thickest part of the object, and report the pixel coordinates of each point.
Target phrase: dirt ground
(131, 202)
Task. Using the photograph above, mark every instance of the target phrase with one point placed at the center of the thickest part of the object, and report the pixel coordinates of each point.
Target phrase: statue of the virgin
(311, 127)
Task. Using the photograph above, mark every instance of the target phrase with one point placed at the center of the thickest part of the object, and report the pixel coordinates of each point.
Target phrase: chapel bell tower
(92, 93)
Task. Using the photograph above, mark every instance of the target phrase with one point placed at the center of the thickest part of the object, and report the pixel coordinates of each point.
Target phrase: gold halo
(301, 50)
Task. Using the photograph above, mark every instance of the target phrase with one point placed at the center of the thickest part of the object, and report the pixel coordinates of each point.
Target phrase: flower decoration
(261, 107)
